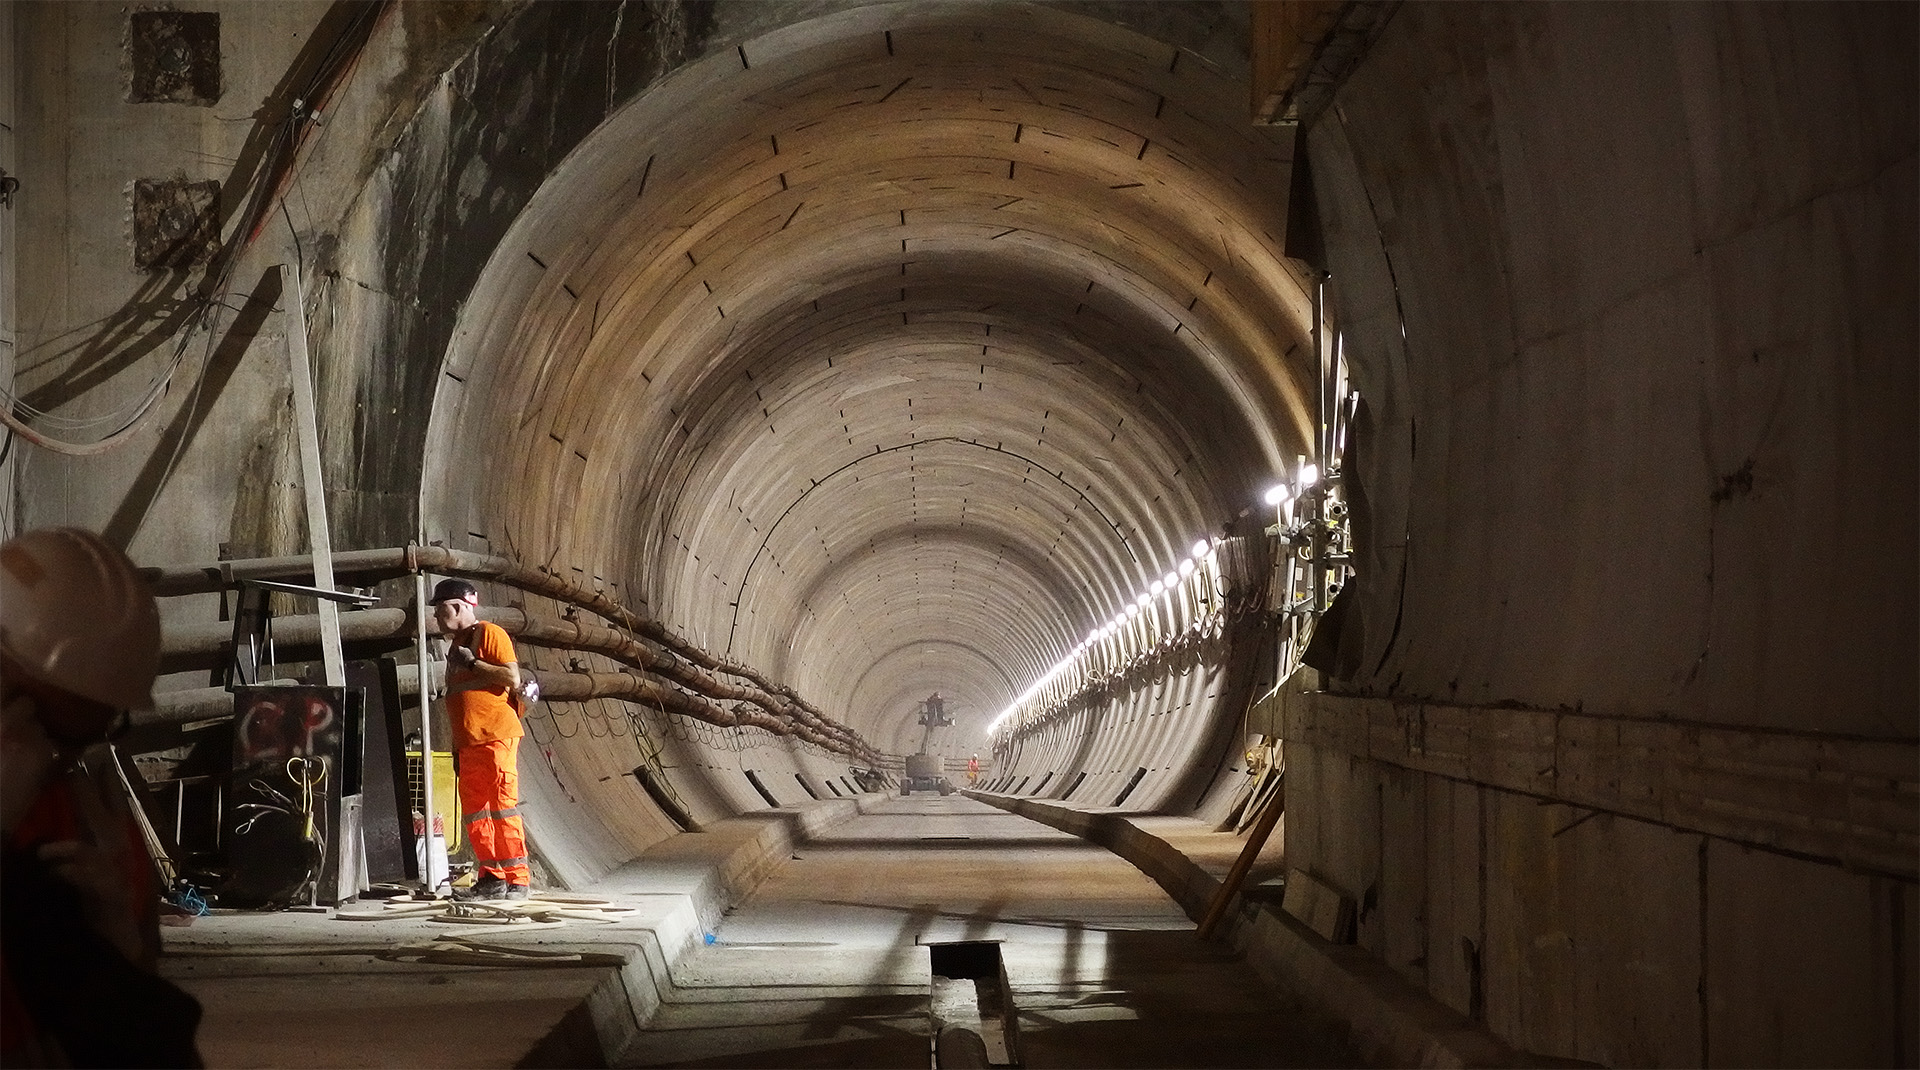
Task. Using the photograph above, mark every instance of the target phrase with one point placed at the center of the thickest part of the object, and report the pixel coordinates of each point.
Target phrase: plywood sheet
(1453, 884)
(1791, 950)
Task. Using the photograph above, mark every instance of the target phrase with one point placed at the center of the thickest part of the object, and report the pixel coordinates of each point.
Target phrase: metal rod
(1320, 376)
(1230, 887)
(306, 427)
(429, 879)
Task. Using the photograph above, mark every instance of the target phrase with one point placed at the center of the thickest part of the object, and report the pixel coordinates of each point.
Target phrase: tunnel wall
(448, 117)
(1630, 299)
(1627, 298)
(441, 128)
(1162, 733)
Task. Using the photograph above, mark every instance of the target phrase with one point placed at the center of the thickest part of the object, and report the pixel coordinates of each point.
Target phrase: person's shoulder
(494, 636)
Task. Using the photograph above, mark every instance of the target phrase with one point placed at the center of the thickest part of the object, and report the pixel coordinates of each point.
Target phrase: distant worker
(973, 770)
(79, 914)
(482, 674)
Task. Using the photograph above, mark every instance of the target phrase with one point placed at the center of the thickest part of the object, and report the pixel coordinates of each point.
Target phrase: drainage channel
(944, 932)
(970, 1009)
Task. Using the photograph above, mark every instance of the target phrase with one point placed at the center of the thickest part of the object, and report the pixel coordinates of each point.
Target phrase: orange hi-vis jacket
(484, 714)
(486, 739)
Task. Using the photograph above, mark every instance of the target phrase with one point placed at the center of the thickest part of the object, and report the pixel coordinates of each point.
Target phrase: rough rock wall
(488, 134)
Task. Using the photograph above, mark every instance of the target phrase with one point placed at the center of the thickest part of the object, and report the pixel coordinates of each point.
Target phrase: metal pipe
(204, 646)
(216, 703)
(423, 687)
(211, 703)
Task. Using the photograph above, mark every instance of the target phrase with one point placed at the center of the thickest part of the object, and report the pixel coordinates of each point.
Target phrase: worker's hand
(460, 657)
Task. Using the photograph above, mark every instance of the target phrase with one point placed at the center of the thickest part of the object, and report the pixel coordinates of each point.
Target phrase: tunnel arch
(692, 365)
(1616, 754)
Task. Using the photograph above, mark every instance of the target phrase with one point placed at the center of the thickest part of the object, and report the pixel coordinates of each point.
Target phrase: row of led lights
(1165, 585)
(1277, 495)
(1281, 493)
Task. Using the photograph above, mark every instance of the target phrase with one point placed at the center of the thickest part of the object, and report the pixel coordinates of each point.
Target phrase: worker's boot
(487, 887)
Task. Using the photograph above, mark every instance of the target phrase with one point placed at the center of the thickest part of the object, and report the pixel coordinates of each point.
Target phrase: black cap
(455, 591)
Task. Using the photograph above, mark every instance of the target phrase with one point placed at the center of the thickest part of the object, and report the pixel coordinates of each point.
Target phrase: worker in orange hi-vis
(482, 677)
(973, 770)
(79, 895)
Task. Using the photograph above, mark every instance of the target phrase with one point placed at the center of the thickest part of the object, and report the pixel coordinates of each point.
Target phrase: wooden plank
(1529, 962)
(1636, 970)
(1514, 749)
(1319, 906)
(1790, 951)
(1454, 940)
(1855, 802)
(1402, 906)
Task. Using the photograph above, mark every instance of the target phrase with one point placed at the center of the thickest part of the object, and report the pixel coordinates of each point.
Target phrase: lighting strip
(1102, 646)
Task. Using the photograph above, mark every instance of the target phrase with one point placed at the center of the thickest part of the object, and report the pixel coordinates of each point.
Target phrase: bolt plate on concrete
(176, 223)
(175, 57)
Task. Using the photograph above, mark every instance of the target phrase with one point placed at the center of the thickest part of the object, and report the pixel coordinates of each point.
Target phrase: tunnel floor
(822, 966)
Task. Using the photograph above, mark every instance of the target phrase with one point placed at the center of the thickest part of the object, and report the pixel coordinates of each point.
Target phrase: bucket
(431, 862)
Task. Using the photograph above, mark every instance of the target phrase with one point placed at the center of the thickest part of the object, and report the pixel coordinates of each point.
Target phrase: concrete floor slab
(823, 965)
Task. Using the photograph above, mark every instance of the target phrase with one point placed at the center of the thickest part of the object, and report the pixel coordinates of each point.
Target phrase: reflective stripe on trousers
(490, 801)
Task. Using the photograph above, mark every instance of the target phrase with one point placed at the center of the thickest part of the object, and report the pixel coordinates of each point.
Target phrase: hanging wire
(279, 165)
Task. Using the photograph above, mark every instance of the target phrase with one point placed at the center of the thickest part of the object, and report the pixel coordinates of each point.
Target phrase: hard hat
(454, 591)
(75, 614)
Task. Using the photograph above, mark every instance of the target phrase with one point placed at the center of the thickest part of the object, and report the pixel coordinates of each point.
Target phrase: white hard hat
(75, 614)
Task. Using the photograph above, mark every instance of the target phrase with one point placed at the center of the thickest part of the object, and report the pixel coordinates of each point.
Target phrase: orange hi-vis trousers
(490, 806)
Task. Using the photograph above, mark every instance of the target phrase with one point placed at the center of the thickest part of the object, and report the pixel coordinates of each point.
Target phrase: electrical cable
(279, 158)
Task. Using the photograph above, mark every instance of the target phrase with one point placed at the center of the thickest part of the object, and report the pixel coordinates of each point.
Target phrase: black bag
(81, 992)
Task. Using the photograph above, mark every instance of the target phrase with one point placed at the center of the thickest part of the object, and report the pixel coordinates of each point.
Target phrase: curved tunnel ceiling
(893, 351)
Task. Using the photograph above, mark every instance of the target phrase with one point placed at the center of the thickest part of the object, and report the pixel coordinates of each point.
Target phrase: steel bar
(307, 431)
(423, 686)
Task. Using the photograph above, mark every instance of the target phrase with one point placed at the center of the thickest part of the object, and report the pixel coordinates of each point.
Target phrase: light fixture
(1156, 587)
(1309, 474)
(1132, 609)
(1186, 567)
(1200, 549)
(1277, 494)
(1170, 579)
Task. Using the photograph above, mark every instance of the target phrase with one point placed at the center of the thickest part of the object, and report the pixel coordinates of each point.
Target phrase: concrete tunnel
(817, 358)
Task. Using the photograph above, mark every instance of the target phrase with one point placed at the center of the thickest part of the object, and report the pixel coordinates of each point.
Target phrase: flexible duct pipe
(206, 646)
(216, 703)
(368, 565)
